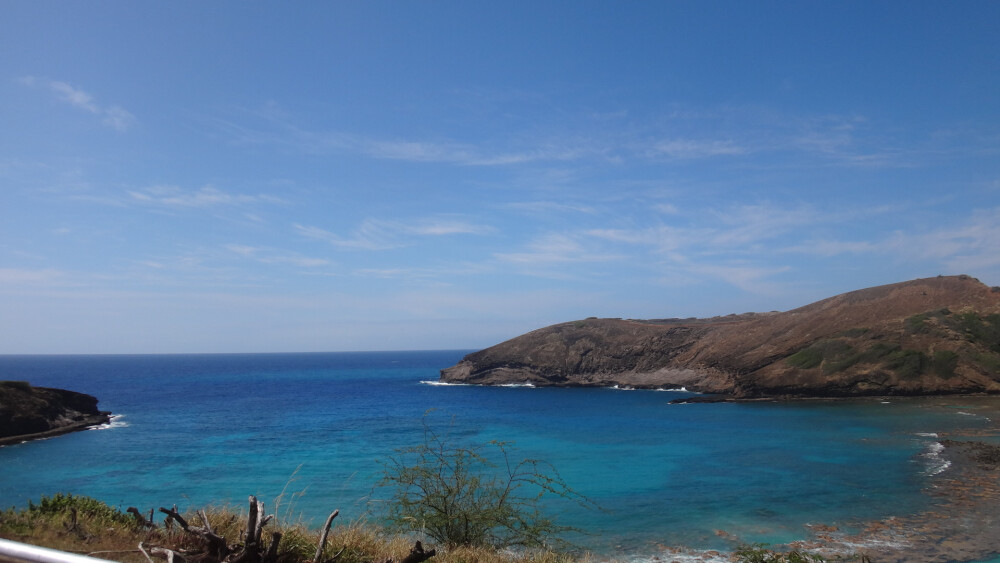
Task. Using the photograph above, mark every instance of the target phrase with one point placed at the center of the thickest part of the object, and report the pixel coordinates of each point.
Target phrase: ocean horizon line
(314, 352)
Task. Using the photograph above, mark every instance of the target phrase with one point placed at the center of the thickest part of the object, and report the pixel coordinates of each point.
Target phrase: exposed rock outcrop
(927, 336)
(29, 413)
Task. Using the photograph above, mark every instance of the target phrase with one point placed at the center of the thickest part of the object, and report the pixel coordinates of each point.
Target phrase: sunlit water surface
(194, 430)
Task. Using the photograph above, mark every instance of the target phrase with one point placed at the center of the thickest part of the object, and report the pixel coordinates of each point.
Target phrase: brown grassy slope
(748, 355)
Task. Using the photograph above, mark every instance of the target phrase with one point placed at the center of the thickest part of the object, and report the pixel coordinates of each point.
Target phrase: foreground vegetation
(79, 524)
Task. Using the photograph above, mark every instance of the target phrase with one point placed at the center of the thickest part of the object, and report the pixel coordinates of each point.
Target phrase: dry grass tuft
(85, 526)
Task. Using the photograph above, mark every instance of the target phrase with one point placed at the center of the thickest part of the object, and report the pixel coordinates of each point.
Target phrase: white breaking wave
(680, 555)
(935, 463)
(115, 422)
(445, 384)
(963, 413)
(927, 434)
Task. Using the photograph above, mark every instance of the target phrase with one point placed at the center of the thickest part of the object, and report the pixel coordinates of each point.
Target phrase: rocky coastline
(33, 413)
(959, 524)
(931, 336)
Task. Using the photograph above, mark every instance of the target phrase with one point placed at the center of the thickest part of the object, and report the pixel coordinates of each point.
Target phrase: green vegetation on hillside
(836, 354)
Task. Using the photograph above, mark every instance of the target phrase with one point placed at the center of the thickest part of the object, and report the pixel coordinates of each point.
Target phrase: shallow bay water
(194, 430)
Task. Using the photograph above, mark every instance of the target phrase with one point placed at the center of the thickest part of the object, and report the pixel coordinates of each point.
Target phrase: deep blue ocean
(195, 430)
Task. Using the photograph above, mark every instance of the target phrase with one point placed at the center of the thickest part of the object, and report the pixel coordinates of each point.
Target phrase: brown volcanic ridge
(932, 336)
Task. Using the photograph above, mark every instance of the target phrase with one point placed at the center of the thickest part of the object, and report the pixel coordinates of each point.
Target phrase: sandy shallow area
(960, 524)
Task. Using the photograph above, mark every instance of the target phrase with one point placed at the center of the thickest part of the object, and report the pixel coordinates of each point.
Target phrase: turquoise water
(205, 429)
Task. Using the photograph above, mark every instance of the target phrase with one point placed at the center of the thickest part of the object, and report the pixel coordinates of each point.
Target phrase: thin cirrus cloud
(113, 116)
(29, 277)
(279, 131)
(966, 246)
(688, 149)
(716, 231)
(684, 136)
(546, 207)
(555, 249)
(272, 256)
(375, 234)
(207, 196)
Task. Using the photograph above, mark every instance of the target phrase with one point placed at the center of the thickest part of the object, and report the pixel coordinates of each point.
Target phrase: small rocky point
(932, 336)
(31, 413)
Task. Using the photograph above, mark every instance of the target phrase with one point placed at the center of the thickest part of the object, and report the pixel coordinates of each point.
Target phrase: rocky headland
(31, 413)
(932, 336)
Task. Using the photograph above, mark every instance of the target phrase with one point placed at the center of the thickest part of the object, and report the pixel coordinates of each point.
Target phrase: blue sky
(323, 176)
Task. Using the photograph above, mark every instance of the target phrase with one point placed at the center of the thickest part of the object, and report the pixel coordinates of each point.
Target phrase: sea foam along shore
(959, 525)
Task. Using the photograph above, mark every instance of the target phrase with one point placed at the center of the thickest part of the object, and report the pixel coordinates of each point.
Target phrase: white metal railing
(15, 552)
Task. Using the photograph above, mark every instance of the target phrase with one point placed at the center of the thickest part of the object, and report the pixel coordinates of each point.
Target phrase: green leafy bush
(908, 364)
(916, 323)
(878, 351)
(833, 355)
(472, 496)
(944, 362)
(60, 504)
(806, 358)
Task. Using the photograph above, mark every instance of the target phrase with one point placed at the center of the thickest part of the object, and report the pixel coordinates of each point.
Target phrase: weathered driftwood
(253, 549)
(217, 549)
(142, 520)
(322, 539)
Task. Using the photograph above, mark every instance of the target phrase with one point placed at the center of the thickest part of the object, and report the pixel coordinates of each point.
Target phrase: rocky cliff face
(927, 336)
(28, 412)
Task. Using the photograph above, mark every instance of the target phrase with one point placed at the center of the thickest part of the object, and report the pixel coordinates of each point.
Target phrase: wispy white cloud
(749, 277)
(683, 149)
(663, 238)
(829, 248)
(744, 225)
(207, 196)
(74, 97)
(272, 256)
(444, 226)
(113, 116)
(118, 118)
(280, 131)
(18, 276)
(427, 276)
(550, 207)
(969, 245)
(684, 134)
(375, 234)
(554, 249)
(715, 231)
(666, 208)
